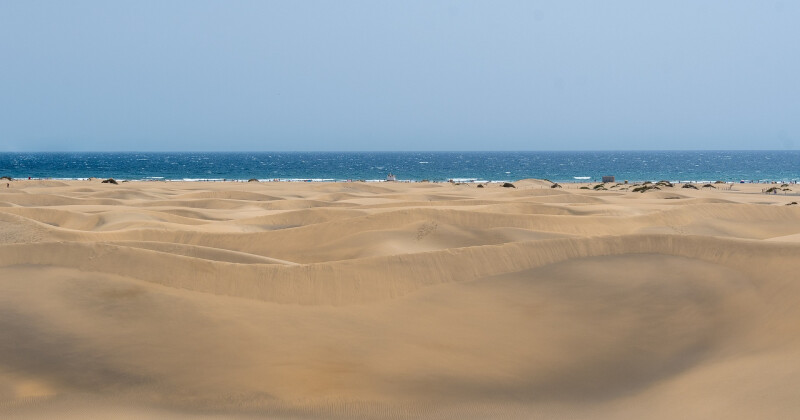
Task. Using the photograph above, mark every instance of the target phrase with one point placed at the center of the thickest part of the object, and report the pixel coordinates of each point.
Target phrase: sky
(398, 75)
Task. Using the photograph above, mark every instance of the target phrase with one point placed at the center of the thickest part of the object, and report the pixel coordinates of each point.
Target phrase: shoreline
(451, 180)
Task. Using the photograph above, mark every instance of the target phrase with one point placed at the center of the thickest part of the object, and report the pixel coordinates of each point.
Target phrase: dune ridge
(368, 279)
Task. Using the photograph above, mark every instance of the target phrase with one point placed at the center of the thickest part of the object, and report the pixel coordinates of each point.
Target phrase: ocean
(729, 166)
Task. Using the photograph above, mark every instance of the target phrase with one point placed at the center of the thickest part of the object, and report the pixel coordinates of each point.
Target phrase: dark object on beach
(787, 189)
(480, 185)
(7, 178)
(664, 183)
(555, 185)
(599, 187)
(719, 182)
(508, 185)
(584, 187)
(772, 190)
(108, 181)
(647, 183)
(644, 188)
(709, 186)
(782, 185)
(689, 186)
(252, 180)
(793, 203)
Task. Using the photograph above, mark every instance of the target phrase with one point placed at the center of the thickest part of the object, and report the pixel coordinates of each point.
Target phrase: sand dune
(391, 300)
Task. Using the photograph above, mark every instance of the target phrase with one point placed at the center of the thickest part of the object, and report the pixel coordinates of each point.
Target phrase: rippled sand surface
(391, 300)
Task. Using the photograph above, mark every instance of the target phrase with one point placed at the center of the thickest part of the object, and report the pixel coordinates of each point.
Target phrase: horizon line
(403, 151)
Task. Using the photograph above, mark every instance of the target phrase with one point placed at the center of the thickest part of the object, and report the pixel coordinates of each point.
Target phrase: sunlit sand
(397, 300)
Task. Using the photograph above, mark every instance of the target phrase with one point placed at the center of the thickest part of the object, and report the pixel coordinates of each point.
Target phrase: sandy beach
(398, 300)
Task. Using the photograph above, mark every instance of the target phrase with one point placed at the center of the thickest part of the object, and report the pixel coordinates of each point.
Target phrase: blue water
(415, 166)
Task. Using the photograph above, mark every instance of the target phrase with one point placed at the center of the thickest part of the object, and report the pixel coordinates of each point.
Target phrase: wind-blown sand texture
(388, 300)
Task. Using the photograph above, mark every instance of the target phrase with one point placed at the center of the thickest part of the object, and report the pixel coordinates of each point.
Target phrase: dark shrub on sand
(772, 189)
(644, 188)
(508, 185)
(8, 178)
(664, 183)
(555, 185)
(793, 203)
(109, 181)
(480, 185)
(689, 186)
(584, 187)
(719, 182)
(709, 186)
(252, 180)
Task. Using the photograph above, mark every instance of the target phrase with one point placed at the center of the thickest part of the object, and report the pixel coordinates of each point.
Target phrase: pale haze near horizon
(446, 75)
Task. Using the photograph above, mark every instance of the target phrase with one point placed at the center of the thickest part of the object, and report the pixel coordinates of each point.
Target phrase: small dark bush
(692, 186)
(793, 203)
(480, 185)
(252, 180)
(772, 189)
(508, 185)
(109, 181)
(584, 188)
(7, 178)
(719, 182)
(644, 188)
(555, 185)
(709, 186)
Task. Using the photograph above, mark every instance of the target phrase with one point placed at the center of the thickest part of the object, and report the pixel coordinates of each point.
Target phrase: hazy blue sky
(401, 75)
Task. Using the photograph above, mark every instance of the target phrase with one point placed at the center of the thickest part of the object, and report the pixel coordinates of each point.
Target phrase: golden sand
(390, 300)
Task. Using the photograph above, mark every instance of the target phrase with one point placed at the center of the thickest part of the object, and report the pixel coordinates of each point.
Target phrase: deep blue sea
(414, 166)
